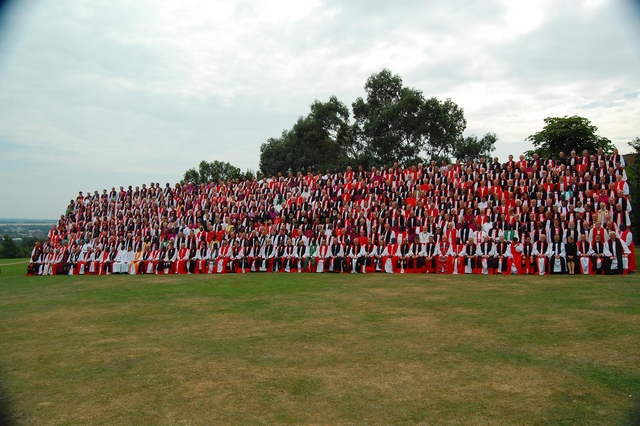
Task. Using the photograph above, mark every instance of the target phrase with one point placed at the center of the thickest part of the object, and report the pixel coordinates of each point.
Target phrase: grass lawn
(320, 349)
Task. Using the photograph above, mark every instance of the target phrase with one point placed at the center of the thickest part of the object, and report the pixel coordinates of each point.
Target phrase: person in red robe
(514, 257)
(443, 252)
(223, 259)
(389, 257)
(184, 254)
(455, 260)
(627, 238)
(322, 256)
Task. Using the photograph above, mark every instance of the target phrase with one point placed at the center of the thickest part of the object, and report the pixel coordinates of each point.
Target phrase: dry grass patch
(384, 292)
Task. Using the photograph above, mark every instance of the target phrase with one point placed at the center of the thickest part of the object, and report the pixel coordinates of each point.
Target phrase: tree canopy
(564, 134)
(473, 149)
(397, 123)
(213, 172)
(393, 123)
(321, 140)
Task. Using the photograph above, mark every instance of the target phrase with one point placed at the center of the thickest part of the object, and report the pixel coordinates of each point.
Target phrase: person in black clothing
(571, 251)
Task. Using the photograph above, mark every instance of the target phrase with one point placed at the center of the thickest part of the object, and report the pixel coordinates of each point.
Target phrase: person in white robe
(539, 252)
(118, 264)
(557, 256)
(585, 253)
(322, 256)
(616, 255)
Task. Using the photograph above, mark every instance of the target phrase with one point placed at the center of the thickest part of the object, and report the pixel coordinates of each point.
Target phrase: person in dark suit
(571, 252)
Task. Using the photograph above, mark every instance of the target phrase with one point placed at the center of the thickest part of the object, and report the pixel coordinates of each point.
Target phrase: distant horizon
(24, 219)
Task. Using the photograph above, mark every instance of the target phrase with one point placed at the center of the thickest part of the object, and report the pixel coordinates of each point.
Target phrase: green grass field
(320, 349)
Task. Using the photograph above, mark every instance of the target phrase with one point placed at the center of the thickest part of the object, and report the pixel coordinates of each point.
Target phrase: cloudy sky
(95, 94)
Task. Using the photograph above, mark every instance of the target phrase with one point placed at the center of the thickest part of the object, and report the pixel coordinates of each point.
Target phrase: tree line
(9, 249)
(392, 123)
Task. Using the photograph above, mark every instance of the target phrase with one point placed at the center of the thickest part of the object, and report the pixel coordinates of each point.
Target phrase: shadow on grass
(7, 414)
(634, 417)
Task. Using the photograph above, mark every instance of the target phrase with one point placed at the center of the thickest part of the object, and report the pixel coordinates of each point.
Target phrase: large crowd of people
(528, 216)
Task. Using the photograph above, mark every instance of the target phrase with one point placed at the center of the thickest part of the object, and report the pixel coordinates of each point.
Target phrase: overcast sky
(95, 94)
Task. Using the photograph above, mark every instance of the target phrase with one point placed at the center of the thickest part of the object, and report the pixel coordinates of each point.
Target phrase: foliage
(321, 140)
(471, 148)
(633, 172)
(384, 121)
(393, 123)
(9, 249)
(273, 154)
(564, 134)
(213, 172)
(397, 123)
(249, 174)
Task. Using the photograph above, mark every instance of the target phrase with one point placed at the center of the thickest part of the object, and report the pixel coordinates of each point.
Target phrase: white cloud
(522, 17)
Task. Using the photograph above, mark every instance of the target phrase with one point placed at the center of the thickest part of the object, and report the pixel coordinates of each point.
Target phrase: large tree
(564, 134)
(391, 123)
(397, 123)
(321, 140)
